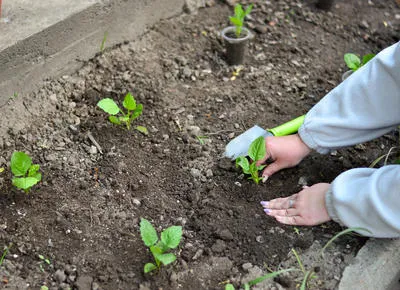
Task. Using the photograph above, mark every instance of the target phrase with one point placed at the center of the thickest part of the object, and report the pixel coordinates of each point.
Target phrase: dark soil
(84, 216)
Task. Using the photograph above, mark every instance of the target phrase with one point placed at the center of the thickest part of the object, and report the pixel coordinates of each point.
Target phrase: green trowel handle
(288, 128)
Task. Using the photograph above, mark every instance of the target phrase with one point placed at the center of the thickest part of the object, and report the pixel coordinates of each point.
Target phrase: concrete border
(55, 50)
(376, 267)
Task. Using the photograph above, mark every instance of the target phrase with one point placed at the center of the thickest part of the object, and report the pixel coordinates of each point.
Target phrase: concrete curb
(55, 49)
(376, 266)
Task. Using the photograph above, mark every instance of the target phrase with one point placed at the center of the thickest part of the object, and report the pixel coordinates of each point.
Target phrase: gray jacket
(363, 107)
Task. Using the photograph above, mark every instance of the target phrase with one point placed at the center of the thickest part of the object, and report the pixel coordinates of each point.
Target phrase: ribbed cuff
(329, 206)
(309, 141)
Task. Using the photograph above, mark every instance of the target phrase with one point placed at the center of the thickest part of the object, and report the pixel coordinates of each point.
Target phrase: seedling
(103, 42)
(25, 173)
(256, 152)
(43, 261)
(248, 285)
(170, 239)
(5, 252)
(133, 111)
(353, 62)
(238, 19)
(202, 139)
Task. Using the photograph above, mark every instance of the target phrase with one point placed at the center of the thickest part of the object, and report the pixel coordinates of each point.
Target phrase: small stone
(198, 254)
(302, 181)
(93, 150)
(173, 278)
(195, 173)
(260, 239)
(84, 283)
(226, 235)
(209, 173)
(262, 29)
(219, 246)
(60, 276)
(187, 72)
(53, 98)
(136, 202)
(247, 266)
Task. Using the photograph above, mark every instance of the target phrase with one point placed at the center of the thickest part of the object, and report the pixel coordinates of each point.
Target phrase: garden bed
(100, 179)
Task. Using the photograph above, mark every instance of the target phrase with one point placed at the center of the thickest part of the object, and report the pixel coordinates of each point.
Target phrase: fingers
(273, 168)
(292, 220)
(280, 203)
(282, 212)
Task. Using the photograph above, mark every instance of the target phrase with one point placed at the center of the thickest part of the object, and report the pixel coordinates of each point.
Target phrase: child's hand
(286, 151)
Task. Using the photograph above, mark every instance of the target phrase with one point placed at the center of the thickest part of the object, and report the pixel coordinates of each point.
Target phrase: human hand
(286, 151)
(306, 208)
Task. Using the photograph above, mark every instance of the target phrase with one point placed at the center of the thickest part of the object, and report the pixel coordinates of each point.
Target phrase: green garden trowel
(240, 145)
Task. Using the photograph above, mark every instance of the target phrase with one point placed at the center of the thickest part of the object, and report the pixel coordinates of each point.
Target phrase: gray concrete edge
(376, 266)
(57, 49)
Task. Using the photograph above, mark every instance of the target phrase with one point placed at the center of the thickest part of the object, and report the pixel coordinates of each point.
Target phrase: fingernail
(264, 203)
(266, 210)
(265, 178)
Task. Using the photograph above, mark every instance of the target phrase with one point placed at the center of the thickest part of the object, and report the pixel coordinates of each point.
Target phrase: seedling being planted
(25, 173)
(353, 62)
(170, 239)
(119, 116)
(256, 152)
(238, 19)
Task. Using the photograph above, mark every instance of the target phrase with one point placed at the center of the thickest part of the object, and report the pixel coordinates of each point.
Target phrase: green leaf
(244, 163)
(137, 112)
(239, 11)
(20, 163)
(109, 106)
(114, 120)
(149, 267)
(33, 170)
(235, 21)
(172, 236)
(352, 61)
(248, 10)
(148, 233)
(246, 286)
(367, 58)
(44, 288)
(257, 149)
(129, 102)
(166, 258)
(142, 130)
(229, 287)
(124, 118)
(24, 182)
(261, 167)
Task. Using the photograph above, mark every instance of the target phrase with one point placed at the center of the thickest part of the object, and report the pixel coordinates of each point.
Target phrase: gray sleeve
(365, 106)
(367, 198)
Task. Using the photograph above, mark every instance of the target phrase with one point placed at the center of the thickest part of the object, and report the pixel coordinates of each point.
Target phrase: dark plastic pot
(325, 4)
(235, 47)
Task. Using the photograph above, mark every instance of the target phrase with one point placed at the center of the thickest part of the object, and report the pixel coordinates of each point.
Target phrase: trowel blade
(239, 146)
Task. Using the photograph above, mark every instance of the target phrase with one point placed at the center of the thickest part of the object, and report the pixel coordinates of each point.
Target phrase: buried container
(236, 47)
(325, 4)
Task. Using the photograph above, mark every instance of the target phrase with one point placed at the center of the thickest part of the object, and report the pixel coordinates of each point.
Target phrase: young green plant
(353, 62)
(25, 173)
(238, 19)
(248, 285)
(118, 116)
(256, 152)
(170, 239)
